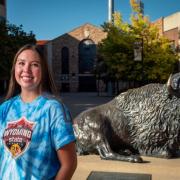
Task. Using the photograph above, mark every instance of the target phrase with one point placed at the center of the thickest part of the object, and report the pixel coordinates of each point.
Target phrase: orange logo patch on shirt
(17, 136)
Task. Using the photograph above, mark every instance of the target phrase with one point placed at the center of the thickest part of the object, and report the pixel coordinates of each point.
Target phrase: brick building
(169, 26)
(2, 9)
(72, 57)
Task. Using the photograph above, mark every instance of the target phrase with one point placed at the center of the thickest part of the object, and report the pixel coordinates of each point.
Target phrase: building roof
(42, 42)
(76, 29)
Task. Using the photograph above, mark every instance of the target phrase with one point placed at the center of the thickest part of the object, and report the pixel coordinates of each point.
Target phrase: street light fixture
(138, 54)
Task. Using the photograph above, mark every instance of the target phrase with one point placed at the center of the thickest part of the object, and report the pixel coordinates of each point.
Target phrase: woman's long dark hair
(47, 83)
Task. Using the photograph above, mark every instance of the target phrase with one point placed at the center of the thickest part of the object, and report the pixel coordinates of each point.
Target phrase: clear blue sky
(49, 19)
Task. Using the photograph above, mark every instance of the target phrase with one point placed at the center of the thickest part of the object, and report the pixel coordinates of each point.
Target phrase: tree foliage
(117, 50)
(159, 58)
(12, 37)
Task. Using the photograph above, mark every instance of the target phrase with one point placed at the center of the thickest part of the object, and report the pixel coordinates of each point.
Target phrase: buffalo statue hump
(142, 121)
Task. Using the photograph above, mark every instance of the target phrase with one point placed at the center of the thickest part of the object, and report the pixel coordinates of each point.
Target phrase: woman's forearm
(66, 173)
(68, 160)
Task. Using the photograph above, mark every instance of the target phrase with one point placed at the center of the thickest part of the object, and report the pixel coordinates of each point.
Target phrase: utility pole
(110, 10)
(141, 5)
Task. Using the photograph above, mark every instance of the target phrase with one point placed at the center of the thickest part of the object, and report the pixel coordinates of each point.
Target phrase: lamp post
(138, 54)
(110, 10)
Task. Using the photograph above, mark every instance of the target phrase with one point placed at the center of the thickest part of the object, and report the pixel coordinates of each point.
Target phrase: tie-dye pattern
(52, 130)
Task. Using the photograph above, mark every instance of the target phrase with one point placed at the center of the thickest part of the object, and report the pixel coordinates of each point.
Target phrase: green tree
(117, 50)
(12, 37)
(159, 59)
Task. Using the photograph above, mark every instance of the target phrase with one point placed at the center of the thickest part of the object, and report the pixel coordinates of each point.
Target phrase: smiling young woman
(28, 74)
(36, 134)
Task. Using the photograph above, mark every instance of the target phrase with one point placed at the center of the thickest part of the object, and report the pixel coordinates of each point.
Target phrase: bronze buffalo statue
(142, 121)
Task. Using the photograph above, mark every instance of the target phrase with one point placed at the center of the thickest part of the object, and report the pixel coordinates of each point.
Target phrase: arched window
(87, 54)
(65, 60)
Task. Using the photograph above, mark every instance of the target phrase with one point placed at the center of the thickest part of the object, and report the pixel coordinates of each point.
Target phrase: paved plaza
(160, 169)
(77, 102)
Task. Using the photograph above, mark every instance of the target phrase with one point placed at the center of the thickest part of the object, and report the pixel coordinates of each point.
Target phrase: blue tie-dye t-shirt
(30, 135)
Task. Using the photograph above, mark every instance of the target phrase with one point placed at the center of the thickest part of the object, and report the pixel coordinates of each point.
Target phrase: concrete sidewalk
(160, 169)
